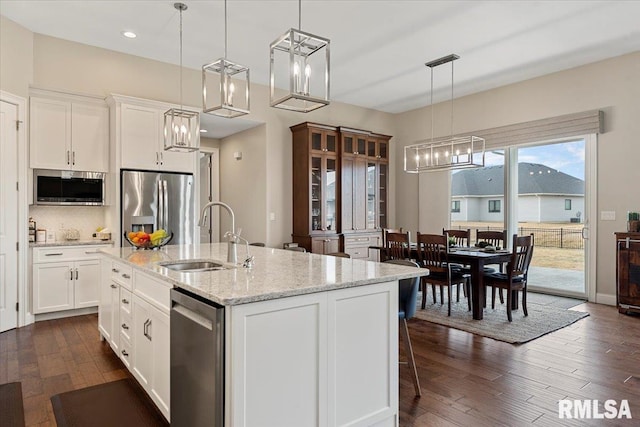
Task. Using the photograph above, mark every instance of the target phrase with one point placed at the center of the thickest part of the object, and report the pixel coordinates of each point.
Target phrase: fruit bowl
(142, 240)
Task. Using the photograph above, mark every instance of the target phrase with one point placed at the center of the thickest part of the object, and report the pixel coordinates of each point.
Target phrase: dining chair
(514, 279)
(339, 254)
(495, 239)
(407, 302)
(433, 252)
(397, 246)
(386, 231)
(297, 249)
(462, 237)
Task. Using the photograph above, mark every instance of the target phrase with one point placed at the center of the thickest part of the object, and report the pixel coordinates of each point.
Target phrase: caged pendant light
(300, 61)
(181, 127)
(444, 153)
(228, 95)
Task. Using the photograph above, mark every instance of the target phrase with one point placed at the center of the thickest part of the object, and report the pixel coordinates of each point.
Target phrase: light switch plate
(272, 216)
(608, 215)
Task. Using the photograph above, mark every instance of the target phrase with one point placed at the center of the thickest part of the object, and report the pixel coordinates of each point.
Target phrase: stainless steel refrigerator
(153, 200)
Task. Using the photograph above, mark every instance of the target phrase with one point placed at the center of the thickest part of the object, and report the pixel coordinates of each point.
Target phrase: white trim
(65, 313)
(215, 186)
(591, 215)
(606, 299)
(24, 317)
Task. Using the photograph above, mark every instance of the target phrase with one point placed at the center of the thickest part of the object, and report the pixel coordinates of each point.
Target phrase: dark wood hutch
(340, 181)
(628, 272)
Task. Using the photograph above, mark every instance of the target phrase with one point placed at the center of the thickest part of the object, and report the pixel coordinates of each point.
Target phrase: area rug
(11, 409)
(543, 318)
(118, 403)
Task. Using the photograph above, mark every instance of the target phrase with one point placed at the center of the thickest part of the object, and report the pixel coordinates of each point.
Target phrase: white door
(87, 278)
(50, 133)
(8, 216)
(143, 349)
(90, 137)
(140, 133)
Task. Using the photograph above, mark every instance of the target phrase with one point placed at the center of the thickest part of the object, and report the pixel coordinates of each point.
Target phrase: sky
(567, 157)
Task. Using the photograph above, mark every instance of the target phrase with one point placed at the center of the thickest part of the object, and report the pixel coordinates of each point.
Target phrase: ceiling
(378, 48)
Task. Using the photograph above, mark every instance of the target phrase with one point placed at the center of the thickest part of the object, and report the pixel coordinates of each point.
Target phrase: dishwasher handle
(193, 316)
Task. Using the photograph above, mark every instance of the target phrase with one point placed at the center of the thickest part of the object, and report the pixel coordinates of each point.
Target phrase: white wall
(16, 58)
(612, 86)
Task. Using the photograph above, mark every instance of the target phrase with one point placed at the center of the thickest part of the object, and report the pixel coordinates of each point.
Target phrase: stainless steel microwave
(68, 188)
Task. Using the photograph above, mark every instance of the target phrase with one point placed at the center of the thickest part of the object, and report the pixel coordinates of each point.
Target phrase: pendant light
(228, 94)
(300, 62)
(445, 153)
(181, 127)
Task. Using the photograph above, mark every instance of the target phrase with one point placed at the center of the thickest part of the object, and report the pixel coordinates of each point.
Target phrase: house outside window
(494, 205)
(567, 204)
(455, 206)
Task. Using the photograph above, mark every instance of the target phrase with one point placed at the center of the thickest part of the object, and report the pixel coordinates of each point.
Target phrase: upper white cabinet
(139, 137)
(68, 132)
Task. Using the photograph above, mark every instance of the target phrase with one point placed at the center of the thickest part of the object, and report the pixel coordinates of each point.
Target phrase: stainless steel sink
(193, 266)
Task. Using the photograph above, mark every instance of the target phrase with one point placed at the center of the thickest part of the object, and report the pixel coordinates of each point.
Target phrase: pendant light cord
(181, 58)
(225, 29)
(299, 15)
(452, 98)
(431, 102)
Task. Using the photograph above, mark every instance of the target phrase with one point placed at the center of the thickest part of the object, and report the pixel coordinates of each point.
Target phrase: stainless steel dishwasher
(197, 361)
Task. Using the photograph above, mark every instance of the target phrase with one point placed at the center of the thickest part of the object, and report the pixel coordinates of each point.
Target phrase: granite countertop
(71, 243)
(276, 273)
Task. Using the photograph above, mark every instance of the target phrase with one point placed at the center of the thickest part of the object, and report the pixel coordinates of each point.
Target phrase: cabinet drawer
(358, 252)
(361, 241)
(122, 274)
(125, 353)
(126, 327)
(62, 253)
(153, 290)
(125, 303)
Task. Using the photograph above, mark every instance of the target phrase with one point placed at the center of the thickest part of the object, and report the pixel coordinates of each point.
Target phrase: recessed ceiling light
(203, 131)
(129, 34)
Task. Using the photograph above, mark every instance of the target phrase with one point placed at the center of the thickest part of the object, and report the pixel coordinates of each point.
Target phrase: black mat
(120, 403)
(11, 409)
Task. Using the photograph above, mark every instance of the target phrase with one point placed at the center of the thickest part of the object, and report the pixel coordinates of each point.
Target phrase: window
(567, 204)
(455, 206)
(494, 205)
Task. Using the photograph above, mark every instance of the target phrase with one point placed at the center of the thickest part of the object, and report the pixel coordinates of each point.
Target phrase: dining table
(476, 258)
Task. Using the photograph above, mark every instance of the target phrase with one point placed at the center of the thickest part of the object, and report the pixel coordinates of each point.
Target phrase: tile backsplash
(85, 219)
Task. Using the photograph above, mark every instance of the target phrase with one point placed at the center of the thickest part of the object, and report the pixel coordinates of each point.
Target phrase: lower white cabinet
(109, 308)
(324, 359)
(65, 285)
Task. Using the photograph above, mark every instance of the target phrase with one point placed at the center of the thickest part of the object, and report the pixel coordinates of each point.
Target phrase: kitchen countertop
(276, 273)
(70, 243)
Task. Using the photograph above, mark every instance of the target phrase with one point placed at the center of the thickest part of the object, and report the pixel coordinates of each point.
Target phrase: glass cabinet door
(323, 193)
(372, 198)
(330, 195)
(316, 193)
(382, 195)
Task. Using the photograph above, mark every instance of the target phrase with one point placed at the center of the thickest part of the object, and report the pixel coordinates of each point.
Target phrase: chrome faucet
(232, 254)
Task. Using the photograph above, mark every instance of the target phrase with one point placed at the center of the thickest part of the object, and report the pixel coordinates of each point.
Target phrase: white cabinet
(151, 352)
(109, 308)
(142, 141)
(329, 358)
(65, 278)
(69, 134)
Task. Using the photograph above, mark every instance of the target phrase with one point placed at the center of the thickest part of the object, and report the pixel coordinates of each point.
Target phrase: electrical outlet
(608, 215)
(272, 216)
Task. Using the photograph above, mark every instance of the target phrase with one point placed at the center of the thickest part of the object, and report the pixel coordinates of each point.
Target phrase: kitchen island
(308, 339)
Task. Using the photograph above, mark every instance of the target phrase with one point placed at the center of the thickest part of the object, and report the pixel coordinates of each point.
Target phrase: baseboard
(606, 299)
(65, 313)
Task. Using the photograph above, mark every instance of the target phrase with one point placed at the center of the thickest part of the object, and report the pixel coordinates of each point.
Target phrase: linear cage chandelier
(181, 127)
(444, 153)
(228, 93)
(300, 62)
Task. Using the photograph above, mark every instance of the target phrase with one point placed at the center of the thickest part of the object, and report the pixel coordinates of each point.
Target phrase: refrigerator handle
(161, 201)
(165, 215)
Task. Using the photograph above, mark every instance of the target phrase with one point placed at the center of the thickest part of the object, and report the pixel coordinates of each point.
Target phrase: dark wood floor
(55, 356)
(466, 380)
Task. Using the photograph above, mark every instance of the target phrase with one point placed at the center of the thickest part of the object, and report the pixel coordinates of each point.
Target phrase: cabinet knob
(115, 270)
(124, 353)
(124, 326)
(125, 301)
(113, 286)
(126, 276)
